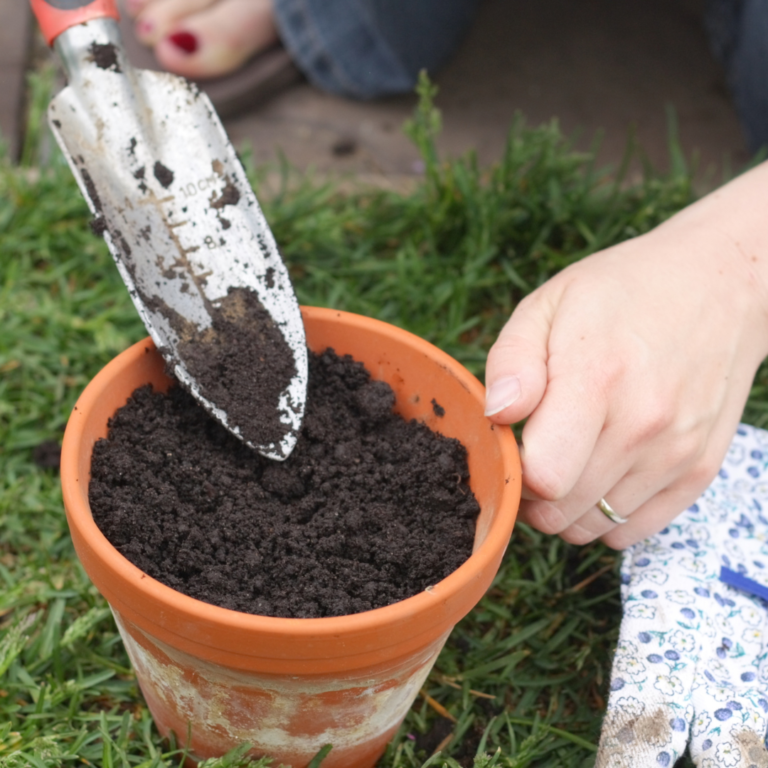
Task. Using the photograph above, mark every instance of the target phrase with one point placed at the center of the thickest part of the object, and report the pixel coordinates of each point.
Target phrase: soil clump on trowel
(243, 364)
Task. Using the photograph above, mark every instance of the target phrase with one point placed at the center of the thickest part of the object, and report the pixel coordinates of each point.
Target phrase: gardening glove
(690, 666)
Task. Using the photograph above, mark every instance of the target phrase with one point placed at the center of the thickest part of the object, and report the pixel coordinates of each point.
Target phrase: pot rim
(79, 512)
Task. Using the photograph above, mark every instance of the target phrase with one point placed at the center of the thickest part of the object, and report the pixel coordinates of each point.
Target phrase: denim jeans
(738, 31)
(370, 48)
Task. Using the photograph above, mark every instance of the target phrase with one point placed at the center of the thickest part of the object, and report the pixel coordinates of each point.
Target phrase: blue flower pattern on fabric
(691, 664)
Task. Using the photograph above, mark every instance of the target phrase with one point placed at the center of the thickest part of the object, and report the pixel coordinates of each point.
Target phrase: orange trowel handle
(56, 16)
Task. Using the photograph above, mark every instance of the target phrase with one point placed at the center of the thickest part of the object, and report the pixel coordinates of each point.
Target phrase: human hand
(633, 367)
(692, 658)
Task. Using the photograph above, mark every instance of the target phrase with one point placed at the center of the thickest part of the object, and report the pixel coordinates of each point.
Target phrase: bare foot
(203, 38)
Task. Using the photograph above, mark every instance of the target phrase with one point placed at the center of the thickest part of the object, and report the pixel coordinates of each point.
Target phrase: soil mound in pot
(368, 510)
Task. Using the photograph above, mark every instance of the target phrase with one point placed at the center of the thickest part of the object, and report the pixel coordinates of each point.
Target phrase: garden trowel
(190, 241)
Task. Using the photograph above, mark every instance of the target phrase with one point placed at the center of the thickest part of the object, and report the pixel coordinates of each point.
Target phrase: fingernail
(186, 41)
(501, 394)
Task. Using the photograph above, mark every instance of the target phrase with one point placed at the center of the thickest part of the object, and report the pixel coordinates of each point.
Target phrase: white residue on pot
(278, 714)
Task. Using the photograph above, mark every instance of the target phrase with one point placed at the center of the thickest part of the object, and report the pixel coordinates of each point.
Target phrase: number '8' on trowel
(183, 225)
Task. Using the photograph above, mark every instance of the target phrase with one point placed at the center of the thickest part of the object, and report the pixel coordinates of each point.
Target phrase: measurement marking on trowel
(191, 189)
(182, 261)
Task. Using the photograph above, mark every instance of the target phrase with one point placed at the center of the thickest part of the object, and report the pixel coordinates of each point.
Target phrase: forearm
(735, 218)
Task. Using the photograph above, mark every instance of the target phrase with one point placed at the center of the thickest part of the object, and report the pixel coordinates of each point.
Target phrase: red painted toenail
(184, 40)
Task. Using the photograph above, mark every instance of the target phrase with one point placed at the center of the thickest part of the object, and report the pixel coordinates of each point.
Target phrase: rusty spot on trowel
(163, 175)
(230, 195)
(104, 56)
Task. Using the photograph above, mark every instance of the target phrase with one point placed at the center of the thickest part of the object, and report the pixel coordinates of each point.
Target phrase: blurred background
(594, 65)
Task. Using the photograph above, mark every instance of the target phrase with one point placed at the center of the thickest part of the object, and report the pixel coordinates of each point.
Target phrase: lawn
(523, 680)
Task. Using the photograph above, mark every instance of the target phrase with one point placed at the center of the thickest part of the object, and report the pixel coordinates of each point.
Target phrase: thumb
(516, 369)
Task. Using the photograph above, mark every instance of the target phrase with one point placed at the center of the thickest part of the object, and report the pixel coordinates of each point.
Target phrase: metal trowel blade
(188, 236)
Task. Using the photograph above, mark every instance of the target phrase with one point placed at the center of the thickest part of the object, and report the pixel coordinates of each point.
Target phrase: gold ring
(610, 513)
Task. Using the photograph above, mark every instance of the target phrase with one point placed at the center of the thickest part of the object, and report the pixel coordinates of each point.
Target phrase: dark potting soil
(369, 509)
(163, 175)
(227, 362)
(105, 56)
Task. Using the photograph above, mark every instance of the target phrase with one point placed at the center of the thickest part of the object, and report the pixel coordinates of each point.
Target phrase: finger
(547, 518)
(516, 369)
(565, 412)
(627, 473)
(218, 39)
(688, 477)
(670, 476)
(652, 516)
(647, 499)
(611, 476)
(560, 436)
(649, 481)
(576, 513)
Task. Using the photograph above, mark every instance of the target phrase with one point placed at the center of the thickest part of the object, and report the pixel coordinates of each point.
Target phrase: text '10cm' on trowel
(183, 225)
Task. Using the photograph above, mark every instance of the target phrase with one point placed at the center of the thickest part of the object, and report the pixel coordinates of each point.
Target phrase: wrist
(724, 240)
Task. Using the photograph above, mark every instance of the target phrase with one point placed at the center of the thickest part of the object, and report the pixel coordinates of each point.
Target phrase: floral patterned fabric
(691, 663)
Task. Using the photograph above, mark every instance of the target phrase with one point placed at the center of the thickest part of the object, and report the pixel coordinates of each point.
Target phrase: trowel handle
(56, 16)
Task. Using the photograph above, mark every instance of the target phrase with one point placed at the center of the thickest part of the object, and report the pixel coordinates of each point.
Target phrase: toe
(218, 39)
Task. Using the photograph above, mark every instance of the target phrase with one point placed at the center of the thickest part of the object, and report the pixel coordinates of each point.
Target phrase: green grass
(524, 677)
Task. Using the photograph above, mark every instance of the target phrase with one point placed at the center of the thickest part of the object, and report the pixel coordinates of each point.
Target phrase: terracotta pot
(218, 677)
